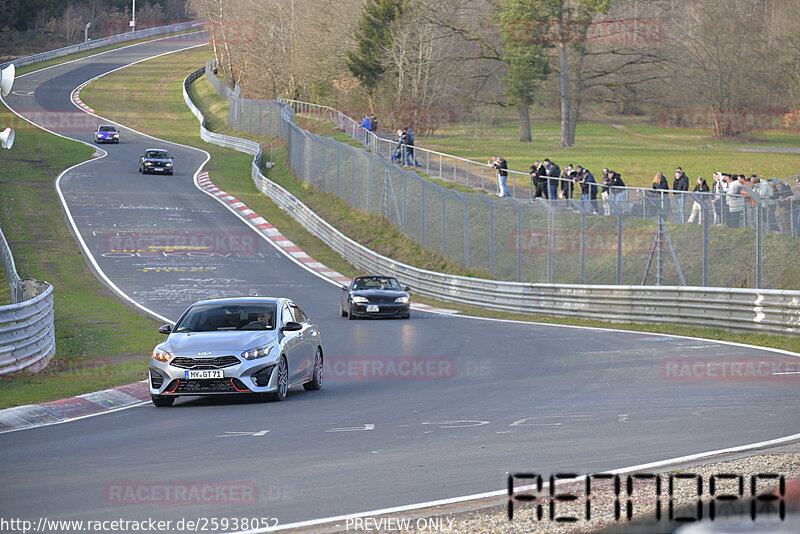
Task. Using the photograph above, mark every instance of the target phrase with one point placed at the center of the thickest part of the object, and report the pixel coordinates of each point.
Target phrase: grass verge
(156, 86)
(100, 342)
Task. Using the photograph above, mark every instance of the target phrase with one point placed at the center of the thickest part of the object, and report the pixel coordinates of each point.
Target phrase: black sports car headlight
(401, 300)
(258, 352)
(360, 300)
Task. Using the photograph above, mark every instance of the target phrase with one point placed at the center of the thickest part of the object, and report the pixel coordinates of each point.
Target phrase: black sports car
(375, 296)
(156, 160)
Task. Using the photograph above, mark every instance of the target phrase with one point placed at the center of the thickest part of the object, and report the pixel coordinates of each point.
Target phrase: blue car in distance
(106, 133)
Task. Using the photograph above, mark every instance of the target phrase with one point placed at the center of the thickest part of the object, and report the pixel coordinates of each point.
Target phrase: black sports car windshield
(107, 129)
(376, 282)
(156, 154)
(226, 317)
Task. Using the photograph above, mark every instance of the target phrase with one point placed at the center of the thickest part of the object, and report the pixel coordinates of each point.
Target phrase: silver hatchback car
(237, 345)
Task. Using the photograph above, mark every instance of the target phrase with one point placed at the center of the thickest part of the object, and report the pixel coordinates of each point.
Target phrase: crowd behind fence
(636, 238)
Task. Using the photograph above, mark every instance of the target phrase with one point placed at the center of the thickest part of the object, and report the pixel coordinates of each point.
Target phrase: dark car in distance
(106, 133)
(156, 160)
(375, 296)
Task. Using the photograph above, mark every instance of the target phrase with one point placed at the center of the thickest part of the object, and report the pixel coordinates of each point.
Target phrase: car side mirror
(406, 288)
(165, 329)
(344, 288)
(291, 326)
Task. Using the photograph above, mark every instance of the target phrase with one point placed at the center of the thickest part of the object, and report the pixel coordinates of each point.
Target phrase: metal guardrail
(104, 41)
(27, 329)
(774, 311)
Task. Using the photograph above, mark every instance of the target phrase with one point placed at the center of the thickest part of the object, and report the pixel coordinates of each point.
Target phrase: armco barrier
(104, 41)
(27, 331)
(769, 310)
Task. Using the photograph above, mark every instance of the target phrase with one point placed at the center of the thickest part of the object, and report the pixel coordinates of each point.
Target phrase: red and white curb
(274, 235)
(49, 413)
(76, 96)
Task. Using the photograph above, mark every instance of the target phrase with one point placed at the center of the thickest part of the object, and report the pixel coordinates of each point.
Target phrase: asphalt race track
(496, 397)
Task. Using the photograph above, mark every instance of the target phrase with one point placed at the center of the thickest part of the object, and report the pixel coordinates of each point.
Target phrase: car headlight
(401, 300)
(116, 135)
(148, 163)
(169, 165)
(161, 355)
(360, 300)
(258, 352)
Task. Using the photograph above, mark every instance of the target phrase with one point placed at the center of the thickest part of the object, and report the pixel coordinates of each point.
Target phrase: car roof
(106, 125)
(240, 300)
(161, 149)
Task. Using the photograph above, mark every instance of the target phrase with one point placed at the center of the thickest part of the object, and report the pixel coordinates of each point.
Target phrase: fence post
(353, 178)
(338, 166)
(405, 202)
(550, 221)
(324, 161)
(369, 181)
(422, 202)
(466, 229)
(579, 206)
(519, 238)
(616, 210)
(444, 225)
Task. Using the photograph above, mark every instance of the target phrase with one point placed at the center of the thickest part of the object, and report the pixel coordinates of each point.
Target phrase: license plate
(204, 374)
(158, 168)
(372, 308)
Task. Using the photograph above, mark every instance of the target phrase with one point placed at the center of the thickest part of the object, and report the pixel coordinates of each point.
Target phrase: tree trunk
(565, 113)
(524, 123)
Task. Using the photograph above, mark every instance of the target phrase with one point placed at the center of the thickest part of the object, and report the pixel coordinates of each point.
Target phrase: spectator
(783, 204)
(553, 171)
(397, 157)
(697, 209)
(605, 194)
(735, 201)
(567, 182)
(373, 124)
(538, 174)
(718, 197)
(366, 125)
(681, 183)
(411, 147)
(661, 191)
(616, 189)
(500, 165)
(765, 195)
(588, 189)
(796, 198)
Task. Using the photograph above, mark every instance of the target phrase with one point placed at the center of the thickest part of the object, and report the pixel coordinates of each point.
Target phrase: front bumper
(99, 139)
(249, 376)
(384, 310)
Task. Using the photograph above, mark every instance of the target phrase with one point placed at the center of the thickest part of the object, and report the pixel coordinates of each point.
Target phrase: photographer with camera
(498, 163)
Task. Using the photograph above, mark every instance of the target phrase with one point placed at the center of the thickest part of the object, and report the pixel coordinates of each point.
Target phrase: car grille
(215, 385)
(220, 362)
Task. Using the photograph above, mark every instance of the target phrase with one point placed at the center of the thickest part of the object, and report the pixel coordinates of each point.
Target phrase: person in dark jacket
(680, 184)
(697, 208)
(553, 171)
(661, 192)
(616, 188)
(588, 189)
(567, 181)
(538, 179)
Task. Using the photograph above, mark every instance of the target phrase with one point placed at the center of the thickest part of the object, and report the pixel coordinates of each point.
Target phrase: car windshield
(107, 129)
(156, 154)
(376, 282)
(224, 317)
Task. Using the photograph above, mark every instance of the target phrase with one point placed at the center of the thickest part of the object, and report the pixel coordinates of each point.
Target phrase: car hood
(104, 134)
(380, 293)
(227, 341)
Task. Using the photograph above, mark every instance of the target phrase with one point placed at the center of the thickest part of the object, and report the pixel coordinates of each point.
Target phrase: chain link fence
(631, 237)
